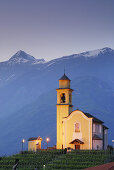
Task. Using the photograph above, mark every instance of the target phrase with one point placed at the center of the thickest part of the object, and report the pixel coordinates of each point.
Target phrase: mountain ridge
(23, 55)
(28, 95)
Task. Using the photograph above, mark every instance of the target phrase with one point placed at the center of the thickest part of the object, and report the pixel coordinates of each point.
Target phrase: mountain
(28, 93)
(97, 52)
(17, 65)
(22, 57)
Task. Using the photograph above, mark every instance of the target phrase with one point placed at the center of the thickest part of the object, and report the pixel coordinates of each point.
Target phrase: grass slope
(56, 159)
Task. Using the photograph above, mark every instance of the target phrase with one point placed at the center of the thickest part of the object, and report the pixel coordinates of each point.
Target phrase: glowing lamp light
(47, 139)
(113, 143)
(23, 141)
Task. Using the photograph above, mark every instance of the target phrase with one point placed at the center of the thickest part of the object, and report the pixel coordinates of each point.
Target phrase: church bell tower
(64, 106)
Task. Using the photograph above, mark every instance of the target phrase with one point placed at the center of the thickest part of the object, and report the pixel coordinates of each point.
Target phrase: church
(77, 129)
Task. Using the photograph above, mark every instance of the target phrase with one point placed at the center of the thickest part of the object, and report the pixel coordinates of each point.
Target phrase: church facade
(76, 129)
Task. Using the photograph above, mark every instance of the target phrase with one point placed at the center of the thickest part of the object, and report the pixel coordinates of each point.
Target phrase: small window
(105, 132)
(100, 128)
(63, 99)
(93, 127)
(77, 127)
(97, 147)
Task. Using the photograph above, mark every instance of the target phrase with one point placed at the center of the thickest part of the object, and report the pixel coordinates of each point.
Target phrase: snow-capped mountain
(18, 64)
(22, 57)
(28, 93)
(86, 56)
(97, 52)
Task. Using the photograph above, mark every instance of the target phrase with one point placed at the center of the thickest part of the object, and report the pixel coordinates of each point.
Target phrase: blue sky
(54, 28)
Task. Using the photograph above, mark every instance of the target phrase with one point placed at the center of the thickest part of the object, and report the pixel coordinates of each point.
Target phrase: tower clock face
(63, 98)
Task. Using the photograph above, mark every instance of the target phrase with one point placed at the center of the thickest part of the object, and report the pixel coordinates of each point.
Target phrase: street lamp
(47, 140)
(113, 144)
(23, 141)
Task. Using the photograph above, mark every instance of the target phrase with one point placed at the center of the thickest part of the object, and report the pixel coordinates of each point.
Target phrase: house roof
(94, 118)
(76, 140)
(105, 127)
(96, 137)
(35, 138)
(64, 77)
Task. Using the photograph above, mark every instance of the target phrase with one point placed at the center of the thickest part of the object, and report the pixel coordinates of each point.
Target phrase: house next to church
(34, 143)
(77, 129)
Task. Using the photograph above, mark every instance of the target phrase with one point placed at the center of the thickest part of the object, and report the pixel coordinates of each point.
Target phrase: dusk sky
(54, 28)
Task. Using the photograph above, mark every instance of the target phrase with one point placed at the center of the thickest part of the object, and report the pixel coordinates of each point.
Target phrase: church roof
(96, 137)
(90, 116)
(94, 118)
(64, 77)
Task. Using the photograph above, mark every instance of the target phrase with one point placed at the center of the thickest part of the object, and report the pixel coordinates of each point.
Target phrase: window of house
(77, 127)
(100, 128)
(97, 147)
(93, 127)
(97, 128)
(105, 132)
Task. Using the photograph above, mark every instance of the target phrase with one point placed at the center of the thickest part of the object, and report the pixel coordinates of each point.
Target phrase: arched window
(77, 127)
(63, 98)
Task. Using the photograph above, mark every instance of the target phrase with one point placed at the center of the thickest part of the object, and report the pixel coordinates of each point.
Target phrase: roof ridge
(64, 77)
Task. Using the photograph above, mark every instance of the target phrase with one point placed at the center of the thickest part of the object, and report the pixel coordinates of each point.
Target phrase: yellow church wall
(62, 111)
(85, 133)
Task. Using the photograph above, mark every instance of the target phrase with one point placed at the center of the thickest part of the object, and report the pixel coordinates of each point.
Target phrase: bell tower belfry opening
(64, 106)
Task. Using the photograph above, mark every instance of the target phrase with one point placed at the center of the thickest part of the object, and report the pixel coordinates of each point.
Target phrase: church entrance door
(77, 147)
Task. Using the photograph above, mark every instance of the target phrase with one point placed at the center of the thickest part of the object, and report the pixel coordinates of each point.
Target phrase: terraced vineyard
(80, 160)
(56, 159)
(29, 160)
